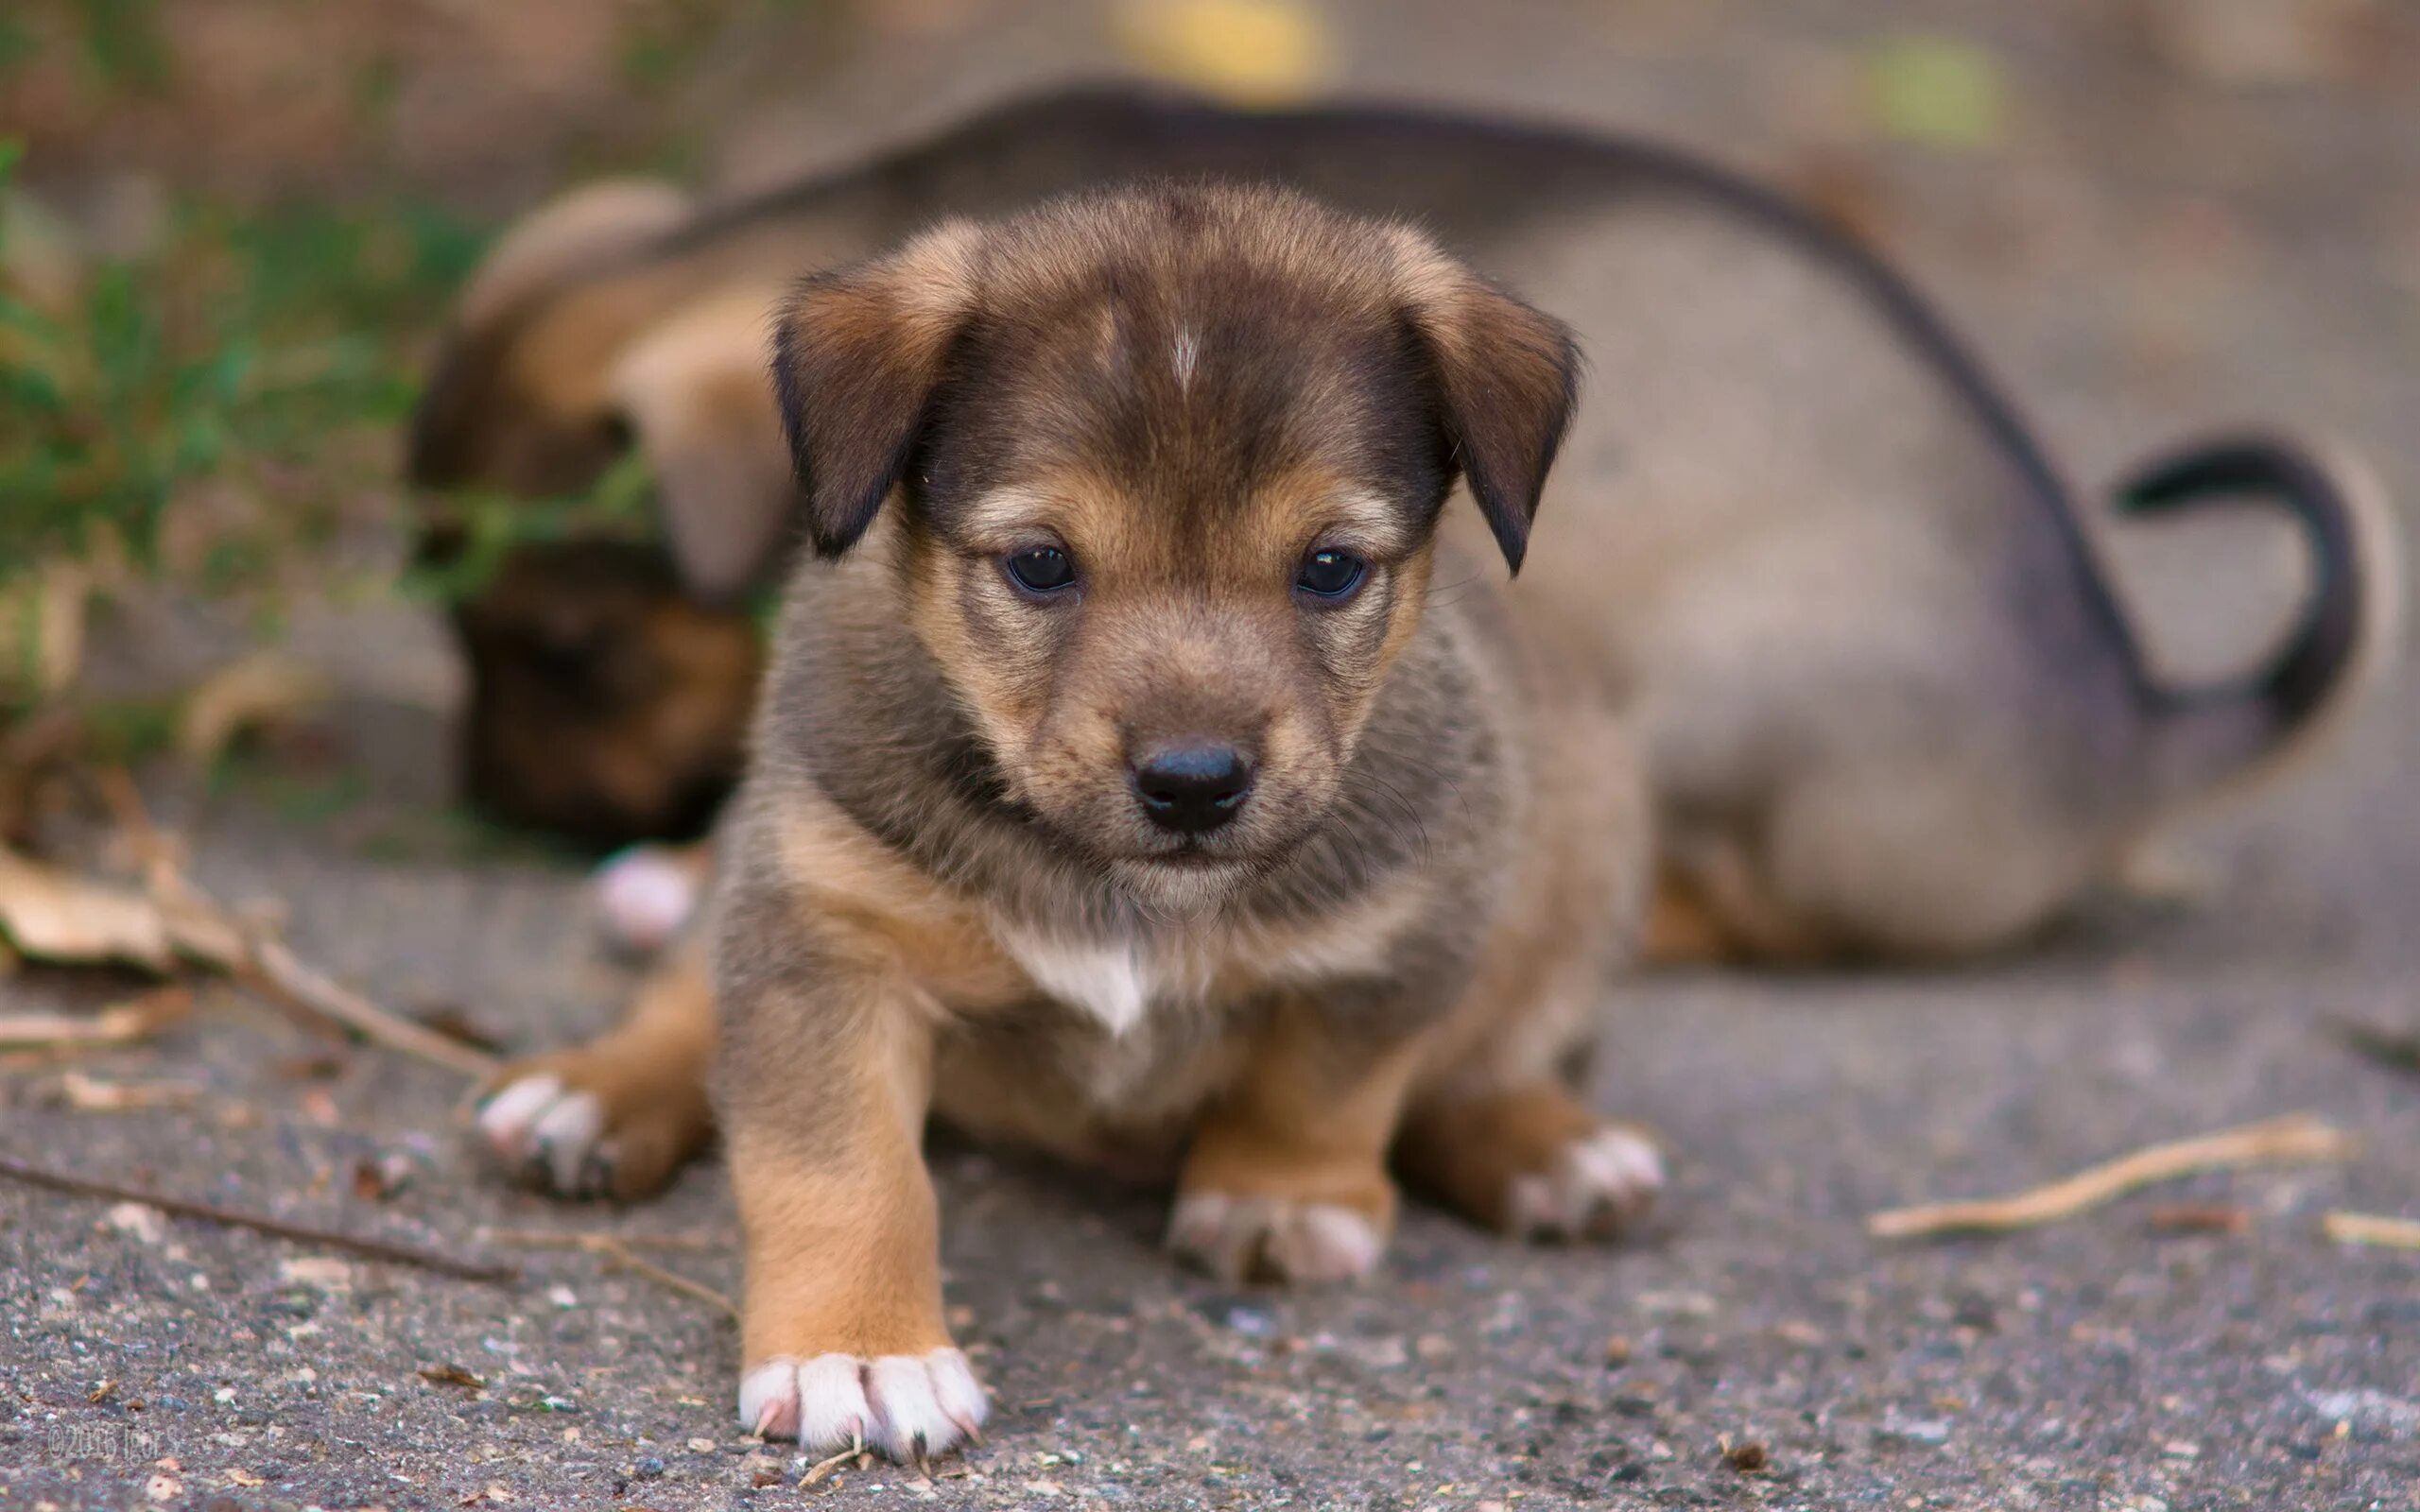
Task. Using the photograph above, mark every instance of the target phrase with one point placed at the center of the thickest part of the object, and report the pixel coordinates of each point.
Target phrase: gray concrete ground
(2139, 251)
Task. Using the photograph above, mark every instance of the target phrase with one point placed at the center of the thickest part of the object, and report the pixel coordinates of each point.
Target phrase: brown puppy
(1124, 787)
(1887, 702)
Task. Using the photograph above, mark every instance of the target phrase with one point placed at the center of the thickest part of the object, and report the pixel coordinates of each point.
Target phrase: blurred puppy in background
(1889, 705)
(1123, 786)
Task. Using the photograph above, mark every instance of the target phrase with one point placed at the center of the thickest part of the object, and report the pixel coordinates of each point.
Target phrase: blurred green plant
(228, 352)
(1935, 91)
(124, 44)
(486, 526)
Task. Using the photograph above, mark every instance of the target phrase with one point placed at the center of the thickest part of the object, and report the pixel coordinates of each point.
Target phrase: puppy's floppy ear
(1507, 377)
(856, 356)
(694, 391)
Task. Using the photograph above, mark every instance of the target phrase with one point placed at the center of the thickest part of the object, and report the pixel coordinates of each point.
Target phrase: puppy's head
(1169, 464)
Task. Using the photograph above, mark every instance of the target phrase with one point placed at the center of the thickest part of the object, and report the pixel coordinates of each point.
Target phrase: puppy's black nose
(1192, 786)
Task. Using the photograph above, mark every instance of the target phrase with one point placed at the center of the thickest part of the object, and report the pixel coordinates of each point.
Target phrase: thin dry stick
(816, 1472)
(211, 933)
(125, 1024)
(276, 1228)
(617, 1252)
(559, 1239)
(2298, 1137)
(2371, 1228)
(295, 982)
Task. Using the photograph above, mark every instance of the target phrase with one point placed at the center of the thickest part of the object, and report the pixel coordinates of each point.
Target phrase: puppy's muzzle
(1191, 787)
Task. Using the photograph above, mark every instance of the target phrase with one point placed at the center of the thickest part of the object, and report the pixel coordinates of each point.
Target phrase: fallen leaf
(257, 691)
(53, 915)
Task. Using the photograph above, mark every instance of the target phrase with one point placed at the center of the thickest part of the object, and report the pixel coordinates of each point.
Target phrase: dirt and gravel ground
(2139, 248)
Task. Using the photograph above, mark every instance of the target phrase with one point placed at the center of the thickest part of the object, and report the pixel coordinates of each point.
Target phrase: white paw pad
(907, 1406)
(1239, 1239)
(539, 1126)
(646, 894)
(1596, 1185)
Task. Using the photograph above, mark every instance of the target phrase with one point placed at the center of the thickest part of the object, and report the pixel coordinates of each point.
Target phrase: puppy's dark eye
(1331, 574)
(1040, 570)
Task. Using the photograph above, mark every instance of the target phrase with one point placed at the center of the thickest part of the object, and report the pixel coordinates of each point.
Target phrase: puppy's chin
(1183, 884)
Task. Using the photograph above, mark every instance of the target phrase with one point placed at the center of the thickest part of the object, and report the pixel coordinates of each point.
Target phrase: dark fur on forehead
(1303, 335)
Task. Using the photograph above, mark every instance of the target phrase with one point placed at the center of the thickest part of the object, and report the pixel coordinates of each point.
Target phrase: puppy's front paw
(580, 1130)
(908, 1406)
(1241, 1238)
(1592, 1188)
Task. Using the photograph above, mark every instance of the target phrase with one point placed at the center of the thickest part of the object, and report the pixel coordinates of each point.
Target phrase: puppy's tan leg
(1286, 1178)
(617, 1116)
(841, 1330)
(1531, 1161)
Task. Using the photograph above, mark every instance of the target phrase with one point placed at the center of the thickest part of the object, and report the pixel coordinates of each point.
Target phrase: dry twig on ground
(618, 1252)
(2371, 1228)
(27, 1035)
(54, 915)
(2298, 1138)
(399, 1254)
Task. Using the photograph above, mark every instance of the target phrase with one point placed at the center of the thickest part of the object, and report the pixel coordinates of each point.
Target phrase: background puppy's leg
(1681, 928)
(826, 1086)
(617, 1116)
(1286, 1177)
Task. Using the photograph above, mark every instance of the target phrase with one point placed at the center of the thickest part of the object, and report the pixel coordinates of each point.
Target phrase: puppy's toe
(1244, 1238)
(1595, 1186)
(547, 1133)
(564, 1128)
(911, 1408)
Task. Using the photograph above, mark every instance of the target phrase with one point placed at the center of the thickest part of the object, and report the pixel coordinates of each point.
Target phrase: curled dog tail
(2221, 737)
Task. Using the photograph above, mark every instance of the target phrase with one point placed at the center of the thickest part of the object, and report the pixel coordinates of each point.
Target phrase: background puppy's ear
(1507, 377)
(856, 356)
(474, 422)
(694, 393)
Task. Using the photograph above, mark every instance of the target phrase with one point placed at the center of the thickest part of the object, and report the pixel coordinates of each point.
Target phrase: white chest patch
(1111, 981)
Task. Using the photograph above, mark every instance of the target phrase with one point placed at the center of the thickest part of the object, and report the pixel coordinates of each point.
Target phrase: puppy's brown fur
(1887, 702)
(940, 892)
